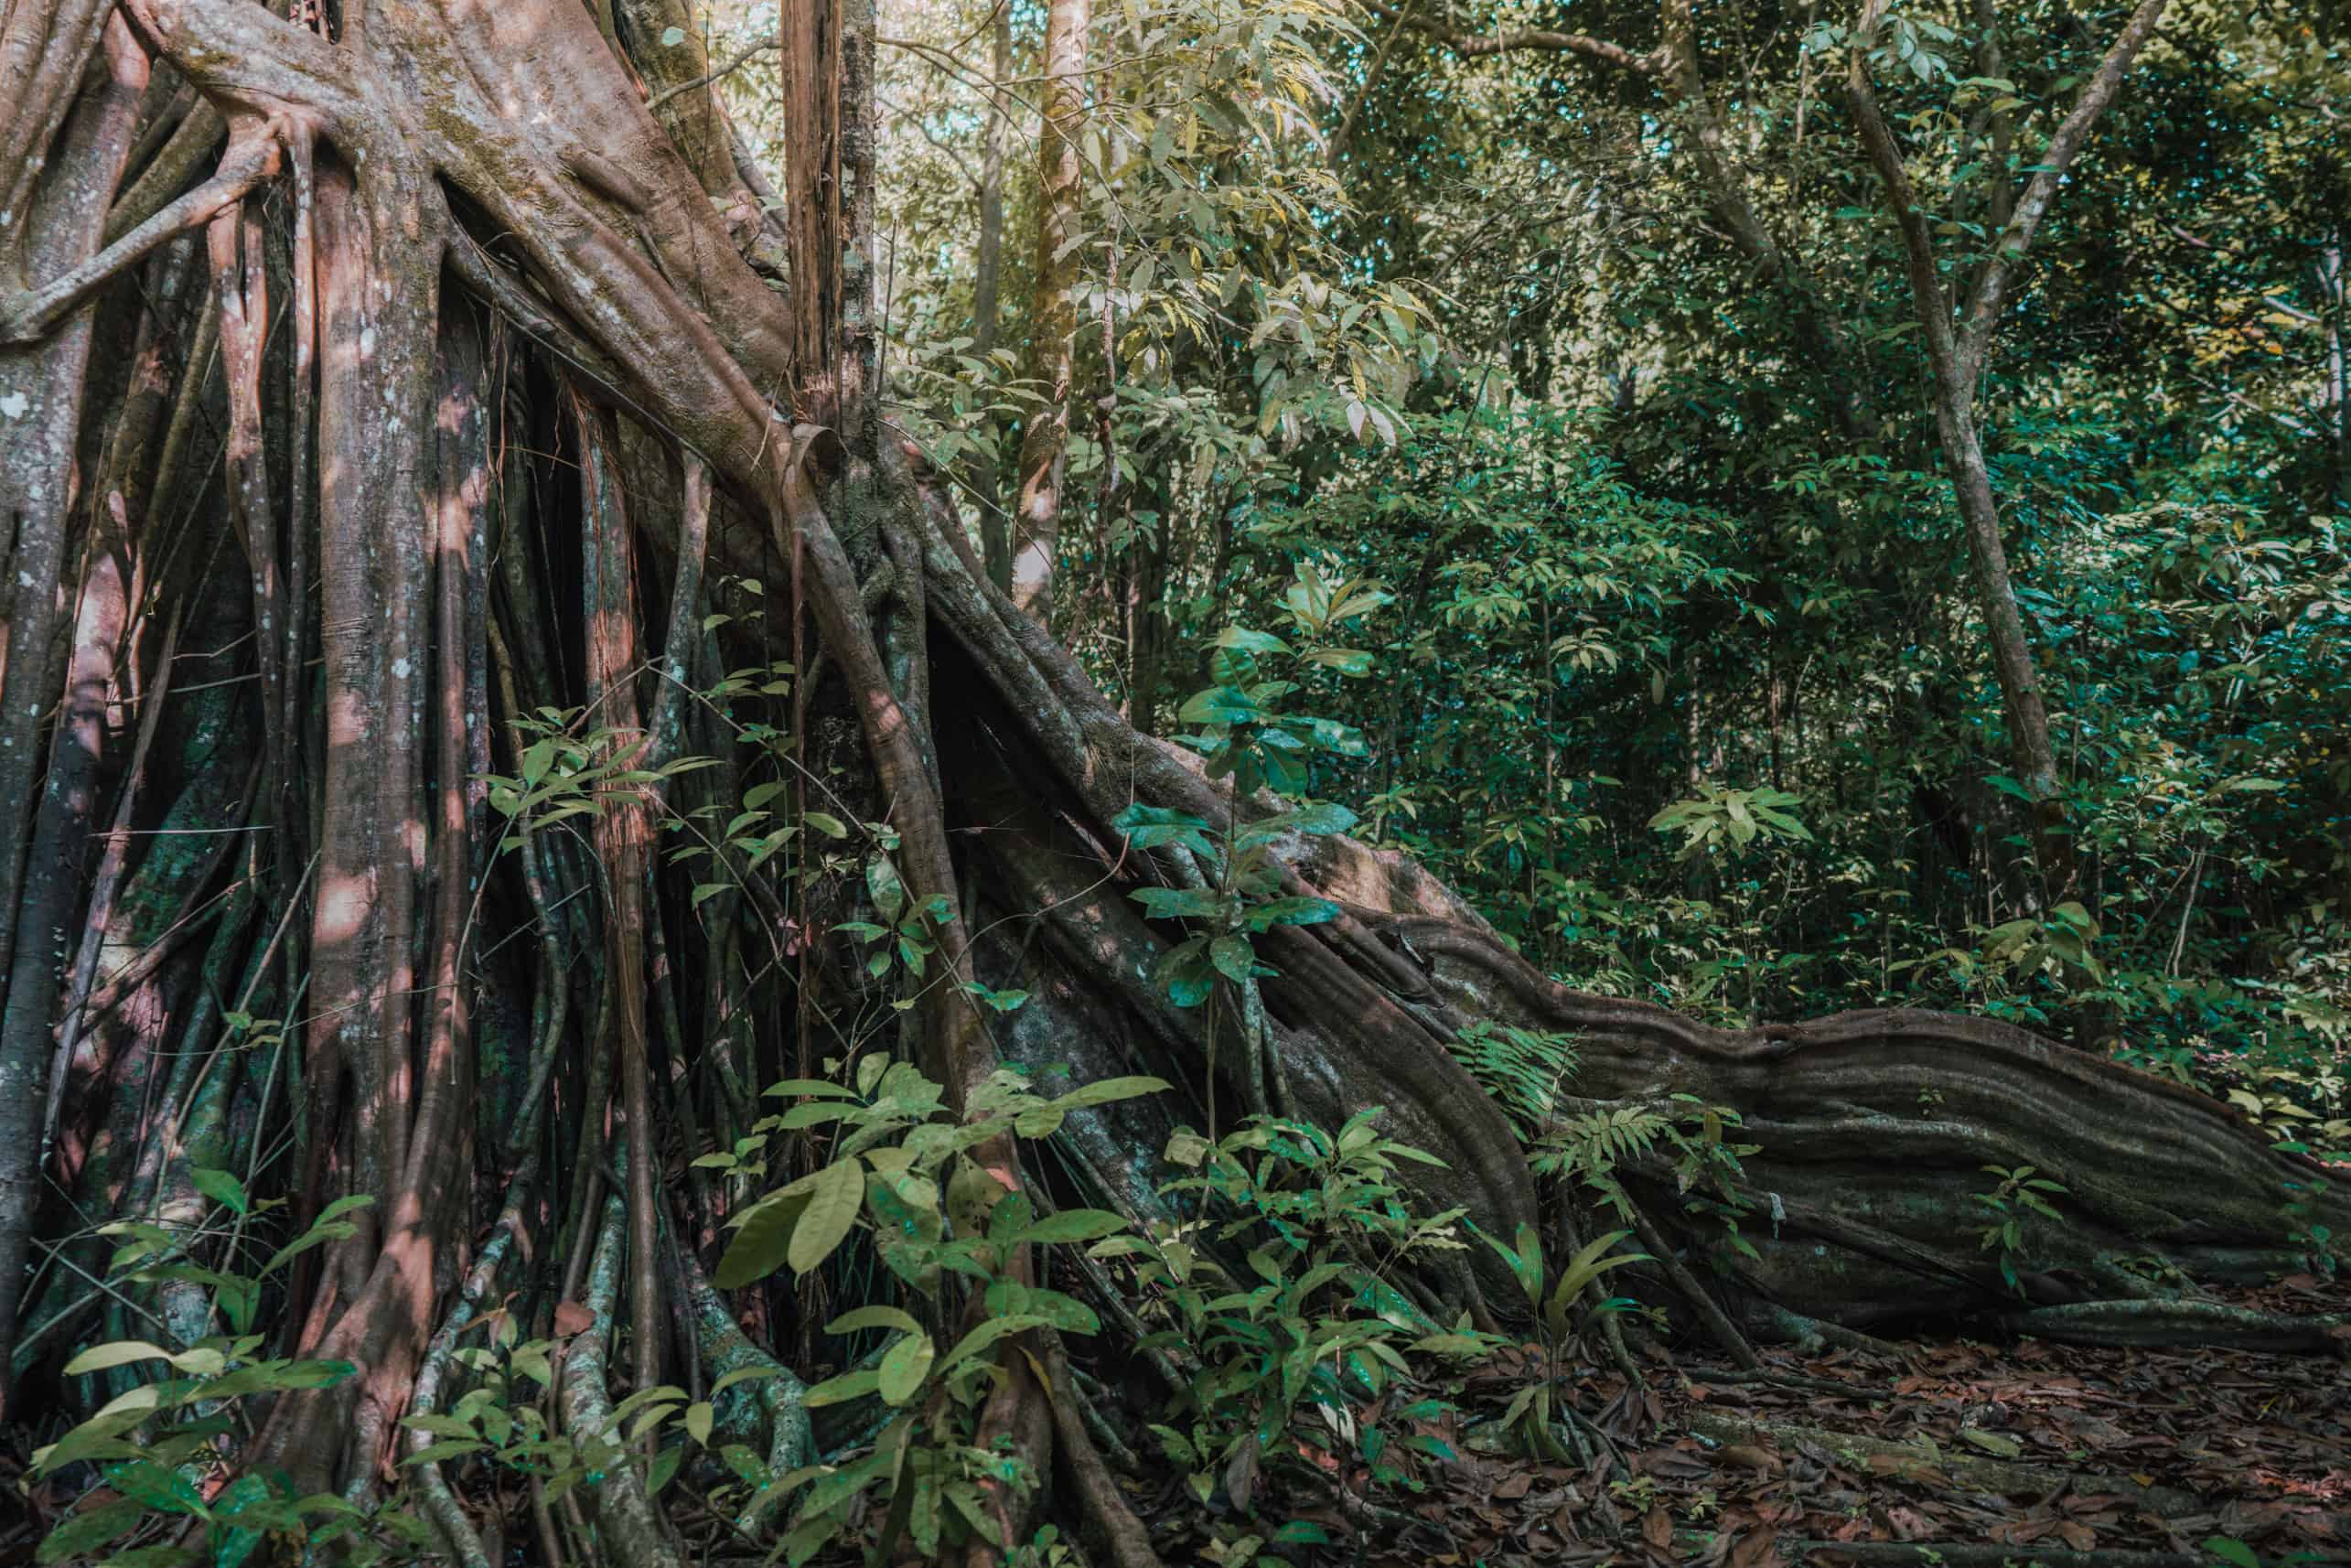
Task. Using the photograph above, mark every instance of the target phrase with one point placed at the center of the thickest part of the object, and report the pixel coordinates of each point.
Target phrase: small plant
(901, 1171)
(1252, 740)
(156, 1447)
(1307, 1356)
(2303, 1198)
(1528, 1419)
(2020, 1193)
(1721, 819)
(1523, 1070)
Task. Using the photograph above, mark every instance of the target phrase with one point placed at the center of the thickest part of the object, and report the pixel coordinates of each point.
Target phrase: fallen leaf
(1909, 1524)
(571, 1319)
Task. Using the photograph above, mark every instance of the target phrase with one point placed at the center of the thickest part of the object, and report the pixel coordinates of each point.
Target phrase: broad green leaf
(833, 1202)
(221, 1187)
(905, 1367)
(1074, 1225)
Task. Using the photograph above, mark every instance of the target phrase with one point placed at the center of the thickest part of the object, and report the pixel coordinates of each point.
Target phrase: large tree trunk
(469, 488)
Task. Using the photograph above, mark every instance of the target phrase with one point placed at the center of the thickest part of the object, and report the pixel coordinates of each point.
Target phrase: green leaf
(1316, 820)
(1150, 827)
(1233, 957)
(1247, 641)
(122, 1352)
(863, 1317)
(884, 885)
(221, 1187)
(1220, 705)
(1102, 1092)
(792, 1086)
(1175, 903)
(987, 1334)
(764, 1239)
(1298, 911)
(84, 1534)
(434, 1453)
(905, 1367)
(833, 1201)
(849, 1385)
(829, 826)
(1074, 1225)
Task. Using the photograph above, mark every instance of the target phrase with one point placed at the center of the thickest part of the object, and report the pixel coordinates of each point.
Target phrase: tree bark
(1956, 356)
(598, 243)
(979, 472)
(1053, 313)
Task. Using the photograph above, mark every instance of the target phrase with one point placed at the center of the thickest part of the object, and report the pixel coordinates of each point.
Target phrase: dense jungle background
(1132, 781)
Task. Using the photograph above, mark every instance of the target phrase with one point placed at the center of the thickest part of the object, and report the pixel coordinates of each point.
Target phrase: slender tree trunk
(1053, 315)
(979, 472)
(2033, 757)
(2335, 402)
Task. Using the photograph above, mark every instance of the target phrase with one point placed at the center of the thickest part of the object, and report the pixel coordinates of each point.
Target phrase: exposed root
(439, 1502)
(1129, 1541)
(2000, 1477)
(2149, 1322)
(1718, 1323)
(625, 1515)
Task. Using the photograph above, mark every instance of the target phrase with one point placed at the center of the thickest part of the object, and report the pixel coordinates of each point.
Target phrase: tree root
(624, 1513)
(2152, 1322)
(1128, 1539)
(2002, 1477)
(725, 1348)
(1927, 1554)
(1718, 1323)
(440, 1503)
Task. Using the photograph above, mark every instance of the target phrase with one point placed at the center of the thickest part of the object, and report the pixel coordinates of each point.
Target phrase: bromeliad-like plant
(1528, 1420)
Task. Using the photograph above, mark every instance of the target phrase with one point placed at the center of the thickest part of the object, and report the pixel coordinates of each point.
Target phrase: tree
(1956, 356)
(527, 371)
(1053, 318)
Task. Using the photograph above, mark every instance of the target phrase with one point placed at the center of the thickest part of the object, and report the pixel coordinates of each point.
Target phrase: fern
(1589, 1148)
(1523, 1070)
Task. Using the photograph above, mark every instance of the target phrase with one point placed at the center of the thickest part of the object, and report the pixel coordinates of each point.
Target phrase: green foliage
(1730, 819)
(2020, 1195)
(1307, 1352)
(901, 1171)
(156, 1444)
(1524, 1070)
(1528, 1420)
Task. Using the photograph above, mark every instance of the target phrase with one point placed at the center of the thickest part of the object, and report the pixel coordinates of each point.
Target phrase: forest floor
(1961, 1451)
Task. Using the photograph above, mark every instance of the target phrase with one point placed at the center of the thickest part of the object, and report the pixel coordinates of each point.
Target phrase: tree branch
(1474, 46)
(2017, 238)
(29, 316)
(1933, 306)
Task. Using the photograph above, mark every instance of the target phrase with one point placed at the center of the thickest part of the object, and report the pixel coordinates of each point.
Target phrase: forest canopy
(1125, 781)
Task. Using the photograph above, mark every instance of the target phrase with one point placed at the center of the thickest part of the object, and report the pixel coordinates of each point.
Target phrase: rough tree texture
(423, 499)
